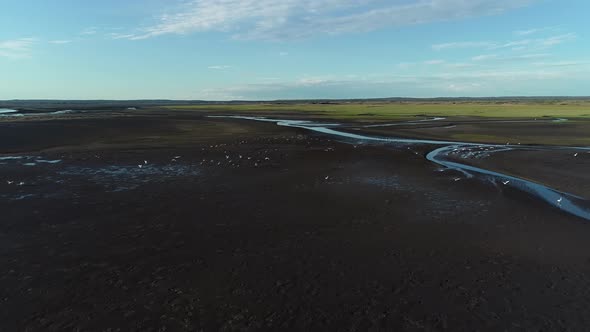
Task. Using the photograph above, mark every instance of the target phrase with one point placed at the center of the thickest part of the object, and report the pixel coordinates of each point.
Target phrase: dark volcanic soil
(565, 170)
(169, 223)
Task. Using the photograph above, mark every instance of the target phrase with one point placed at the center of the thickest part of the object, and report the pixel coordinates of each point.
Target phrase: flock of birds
(177, 158)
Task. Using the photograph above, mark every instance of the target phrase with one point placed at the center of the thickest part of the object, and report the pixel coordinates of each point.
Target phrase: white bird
(140, 166)
(10, 182)
(506, 182)
(457, 179)
(145, 162)
(21, 183)
(327, 178)
(559, 200)
(576, 154)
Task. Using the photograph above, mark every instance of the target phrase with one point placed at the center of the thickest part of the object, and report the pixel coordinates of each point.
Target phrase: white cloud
(561, 64)
(219, 67)
(530, 45)
(116, 35)
(17, 48)
(495, 57)
(312, 81)
(434, 62)
(463, 87)
(485, 57)
(533, 31)
(538, 43)
(465, 82)
(59, 42)
(556, 40)
(288, 19)
(89, 31)
(218, 94)
(457, 45)
(459, 65)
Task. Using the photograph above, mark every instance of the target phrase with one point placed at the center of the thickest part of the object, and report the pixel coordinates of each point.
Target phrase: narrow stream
(566, 202)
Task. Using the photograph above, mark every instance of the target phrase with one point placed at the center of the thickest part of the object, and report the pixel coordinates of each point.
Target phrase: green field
(399, 111)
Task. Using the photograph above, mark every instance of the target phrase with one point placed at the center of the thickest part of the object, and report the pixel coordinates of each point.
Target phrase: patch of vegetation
(406, 110)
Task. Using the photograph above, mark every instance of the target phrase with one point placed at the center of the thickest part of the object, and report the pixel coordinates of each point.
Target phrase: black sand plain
(171, 221)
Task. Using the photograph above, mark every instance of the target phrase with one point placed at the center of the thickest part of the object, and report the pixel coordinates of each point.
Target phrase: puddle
(123, 178)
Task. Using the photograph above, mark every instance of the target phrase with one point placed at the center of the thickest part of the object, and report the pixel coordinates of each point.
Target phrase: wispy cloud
(458, 45)
(498, 58)
(538, 43)
(289, 19)
(516, 45)
(17, 48)
(556, 40)
(561, 64)
(59, 42)
(533, 31)
(313, 81)
(219, 67)
(434, 62)
(89, 31)
(477, 82)
(116, 35)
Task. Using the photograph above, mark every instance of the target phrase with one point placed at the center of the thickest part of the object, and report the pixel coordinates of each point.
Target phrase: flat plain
(165, 218)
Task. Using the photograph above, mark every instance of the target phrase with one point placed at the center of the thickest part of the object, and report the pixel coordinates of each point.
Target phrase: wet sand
(565, 170)
(301, 233)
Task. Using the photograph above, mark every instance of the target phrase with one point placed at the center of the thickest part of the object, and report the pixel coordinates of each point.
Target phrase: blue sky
(292, 49)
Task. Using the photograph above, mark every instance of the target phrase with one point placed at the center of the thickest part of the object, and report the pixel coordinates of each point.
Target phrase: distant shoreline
(55, 103)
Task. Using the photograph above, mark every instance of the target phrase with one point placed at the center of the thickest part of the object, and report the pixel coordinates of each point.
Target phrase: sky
(292, 49)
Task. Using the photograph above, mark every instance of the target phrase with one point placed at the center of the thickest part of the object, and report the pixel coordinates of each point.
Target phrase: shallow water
(7, 110)
(27, 160)
(566, 202)
(55, 180)
(116, 178)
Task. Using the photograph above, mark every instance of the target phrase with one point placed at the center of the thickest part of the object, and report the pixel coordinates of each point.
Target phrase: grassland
(405, 110)
(460, 114)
